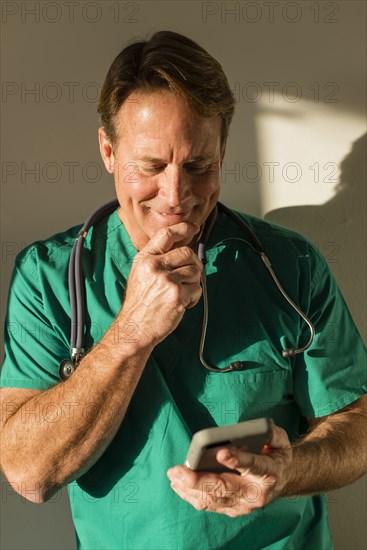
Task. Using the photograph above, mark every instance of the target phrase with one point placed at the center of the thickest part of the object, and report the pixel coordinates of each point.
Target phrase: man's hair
(173, 62)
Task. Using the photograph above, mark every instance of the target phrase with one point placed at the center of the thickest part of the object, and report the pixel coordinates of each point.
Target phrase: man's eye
(152, 169)
(194, 168)
(199, 169)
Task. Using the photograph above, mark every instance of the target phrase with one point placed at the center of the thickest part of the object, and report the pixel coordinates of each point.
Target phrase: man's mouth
(173, 217)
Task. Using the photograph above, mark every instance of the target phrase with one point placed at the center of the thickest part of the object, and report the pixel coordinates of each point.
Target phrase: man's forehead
(152, 148)
(162, 115)
(159, 149)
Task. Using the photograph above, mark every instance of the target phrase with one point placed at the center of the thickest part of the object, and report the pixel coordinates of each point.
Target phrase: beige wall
(296, 152)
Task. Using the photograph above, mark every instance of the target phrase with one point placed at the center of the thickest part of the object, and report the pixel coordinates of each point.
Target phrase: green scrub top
(125, 500)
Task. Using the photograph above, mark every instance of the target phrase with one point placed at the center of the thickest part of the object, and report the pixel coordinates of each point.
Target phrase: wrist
(304, 457)
(125, 338)
(286, 481)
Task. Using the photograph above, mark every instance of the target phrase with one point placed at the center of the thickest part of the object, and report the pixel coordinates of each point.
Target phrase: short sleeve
(332, 373)
(32, 346)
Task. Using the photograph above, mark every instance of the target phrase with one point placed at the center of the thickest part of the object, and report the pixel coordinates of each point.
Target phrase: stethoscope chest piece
(66, 369)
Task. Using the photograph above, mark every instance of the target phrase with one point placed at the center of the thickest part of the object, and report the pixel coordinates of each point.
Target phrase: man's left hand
(261, 480)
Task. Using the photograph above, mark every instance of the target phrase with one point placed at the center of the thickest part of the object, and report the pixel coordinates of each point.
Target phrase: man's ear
(106, 151)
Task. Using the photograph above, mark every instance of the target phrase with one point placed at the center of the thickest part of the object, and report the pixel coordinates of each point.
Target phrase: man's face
(166, 164)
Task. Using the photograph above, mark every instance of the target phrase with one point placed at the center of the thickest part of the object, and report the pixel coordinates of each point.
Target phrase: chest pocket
(248, 394)
(263, 388)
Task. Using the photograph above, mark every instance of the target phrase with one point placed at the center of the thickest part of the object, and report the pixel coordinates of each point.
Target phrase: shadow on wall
(338, 229)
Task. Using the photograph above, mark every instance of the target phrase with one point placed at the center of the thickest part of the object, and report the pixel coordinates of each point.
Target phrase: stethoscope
(77, 295)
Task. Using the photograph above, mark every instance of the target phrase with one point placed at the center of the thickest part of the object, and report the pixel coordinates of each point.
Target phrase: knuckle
(152, 265)
(163, 263)
(174, 293)
(186, 226)
(164, 232)
(186, 252)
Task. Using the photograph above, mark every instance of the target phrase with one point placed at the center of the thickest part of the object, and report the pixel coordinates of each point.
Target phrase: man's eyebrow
(147, 158)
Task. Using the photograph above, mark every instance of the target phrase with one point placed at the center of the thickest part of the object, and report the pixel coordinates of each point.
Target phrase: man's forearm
(330, 456)
(43, 453)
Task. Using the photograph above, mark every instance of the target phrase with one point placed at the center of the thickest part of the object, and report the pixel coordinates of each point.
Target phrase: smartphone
(253, 434)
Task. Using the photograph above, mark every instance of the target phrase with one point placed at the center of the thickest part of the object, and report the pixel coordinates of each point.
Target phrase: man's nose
(175, 187)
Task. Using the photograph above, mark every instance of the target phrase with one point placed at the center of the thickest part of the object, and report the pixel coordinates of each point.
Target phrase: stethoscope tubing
(77, 292)
(75, 277)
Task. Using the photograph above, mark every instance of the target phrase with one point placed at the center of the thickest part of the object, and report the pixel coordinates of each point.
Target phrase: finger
(221, 488)
(266, 470)
(191, 294)
(184, 475)
(232, 507)
(198, 488)
(166, 237)
(180, 257)
(199, 502)
(228, 457)
(244, 462)
(224, 496)
(239, 458)
(185, 274)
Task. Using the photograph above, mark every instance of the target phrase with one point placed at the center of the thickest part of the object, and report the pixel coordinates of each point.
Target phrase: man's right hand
(164, 281)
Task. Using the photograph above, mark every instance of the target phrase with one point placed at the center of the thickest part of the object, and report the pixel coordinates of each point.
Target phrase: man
(118, 430)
